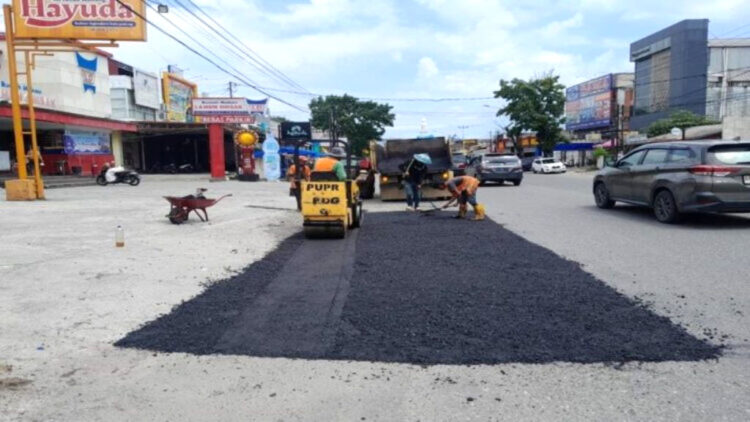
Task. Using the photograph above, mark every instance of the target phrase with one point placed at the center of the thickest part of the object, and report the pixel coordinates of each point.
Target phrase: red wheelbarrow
(181, 207)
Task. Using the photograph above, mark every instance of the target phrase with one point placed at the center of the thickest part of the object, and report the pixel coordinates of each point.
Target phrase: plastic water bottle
(119, 237)
(271, 159)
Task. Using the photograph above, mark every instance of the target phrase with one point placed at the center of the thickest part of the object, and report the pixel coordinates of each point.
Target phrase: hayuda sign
(108, 20)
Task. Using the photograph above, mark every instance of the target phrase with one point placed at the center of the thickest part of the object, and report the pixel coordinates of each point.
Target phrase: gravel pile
(433, 290)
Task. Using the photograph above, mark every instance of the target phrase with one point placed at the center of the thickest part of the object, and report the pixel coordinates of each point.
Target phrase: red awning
(72, 119)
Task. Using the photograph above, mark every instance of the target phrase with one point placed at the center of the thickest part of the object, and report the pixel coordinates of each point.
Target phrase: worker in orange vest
(331, 164)
(291, 175)
(464, 190)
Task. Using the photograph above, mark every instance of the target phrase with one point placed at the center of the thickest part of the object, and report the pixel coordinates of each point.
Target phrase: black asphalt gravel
(420, 289)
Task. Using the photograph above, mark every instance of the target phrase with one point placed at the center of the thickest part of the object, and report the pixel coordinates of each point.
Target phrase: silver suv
(679, 177)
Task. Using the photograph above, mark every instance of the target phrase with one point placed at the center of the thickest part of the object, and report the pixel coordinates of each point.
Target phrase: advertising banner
(589, 105)
(257, 106)
(221, 107)
(80, 19)
(178, 95)
(146, 89)
(80, 142)
(228, 119)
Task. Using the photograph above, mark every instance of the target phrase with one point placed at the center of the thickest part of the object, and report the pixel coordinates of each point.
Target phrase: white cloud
(427, 68)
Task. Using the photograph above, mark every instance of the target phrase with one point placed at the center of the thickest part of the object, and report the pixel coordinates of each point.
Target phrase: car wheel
(516, 183)
(601, 196)
(535, 172)
(665, 207)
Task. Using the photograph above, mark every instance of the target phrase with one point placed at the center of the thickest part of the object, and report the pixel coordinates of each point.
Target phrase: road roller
(331, 207)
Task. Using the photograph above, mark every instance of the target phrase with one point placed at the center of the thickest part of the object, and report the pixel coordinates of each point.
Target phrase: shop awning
(575, 146)
(66, 119)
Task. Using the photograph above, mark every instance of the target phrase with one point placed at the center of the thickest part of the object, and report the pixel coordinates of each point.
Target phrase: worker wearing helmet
(331, 164)
(291, 175)
(464, 190)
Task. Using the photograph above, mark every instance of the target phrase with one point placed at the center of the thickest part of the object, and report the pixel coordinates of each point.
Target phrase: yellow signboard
(178, 97)
(107, 20)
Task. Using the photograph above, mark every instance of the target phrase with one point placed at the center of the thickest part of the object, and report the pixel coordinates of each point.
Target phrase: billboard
(178, 95)
(146, 89)
(80, 19)
(220, 107)
(296, 131)
(589, 105)
(81, 142)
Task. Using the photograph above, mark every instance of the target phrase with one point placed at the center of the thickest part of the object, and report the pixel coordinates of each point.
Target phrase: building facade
(670, 72)
(728, 92)
(75, 128)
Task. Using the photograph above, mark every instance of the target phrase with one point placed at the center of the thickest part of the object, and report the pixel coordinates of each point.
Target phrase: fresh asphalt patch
(423, 290)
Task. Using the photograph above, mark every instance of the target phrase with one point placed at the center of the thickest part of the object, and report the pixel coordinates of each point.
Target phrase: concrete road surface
(66, 294)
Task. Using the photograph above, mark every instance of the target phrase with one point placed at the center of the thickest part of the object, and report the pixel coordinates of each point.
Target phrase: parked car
(459, 160)
(547, 165)
(526, 163)
(496, 168)
(679, 177)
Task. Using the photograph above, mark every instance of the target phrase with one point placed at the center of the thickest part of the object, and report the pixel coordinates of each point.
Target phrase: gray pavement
(66, 295)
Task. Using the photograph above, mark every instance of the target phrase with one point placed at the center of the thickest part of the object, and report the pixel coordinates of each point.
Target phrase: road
(66, 298)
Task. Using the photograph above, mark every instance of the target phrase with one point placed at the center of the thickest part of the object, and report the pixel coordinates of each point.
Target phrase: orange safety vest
(292, 174)
(468, 184)
(325, 164)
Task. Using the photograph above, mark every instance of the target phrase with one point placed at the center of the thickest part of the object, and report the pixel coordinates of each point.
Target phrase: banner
(589, 105)
(106, 20)
(221, 107)
(178, 95)
(80, 142)
(296, 131)
(88, 71)
(146, 89)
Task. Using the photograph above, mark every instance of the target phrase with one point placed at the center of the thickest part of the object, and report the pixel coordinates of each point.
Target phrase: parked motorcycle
(125, 176)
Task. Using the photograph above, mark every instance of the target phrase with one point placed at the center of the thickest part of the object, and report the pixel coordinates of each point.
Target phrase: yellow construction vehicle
(331, 207)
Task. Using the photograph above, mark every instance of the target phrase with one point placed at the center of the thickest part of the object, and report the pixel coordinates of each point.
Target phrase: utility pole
(231, 89)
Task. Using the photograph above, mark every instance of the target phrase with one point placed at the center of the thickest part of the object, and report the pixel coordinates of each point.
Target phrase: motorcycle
(126, 176)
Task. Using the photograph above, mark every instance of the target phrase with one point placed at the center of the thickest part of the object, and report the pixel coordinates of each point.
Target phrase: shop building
(670, 72)
(599, 108)
(73, 112)
(728, 92)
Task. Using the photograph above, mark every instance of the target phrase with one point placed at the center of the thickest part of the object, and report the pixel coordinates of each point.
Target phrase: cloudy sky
(414, 49)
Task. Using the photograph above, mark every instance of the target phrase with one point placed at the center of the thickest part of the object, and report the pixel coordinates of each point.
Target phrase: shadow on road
(422, 290)
(692, 221)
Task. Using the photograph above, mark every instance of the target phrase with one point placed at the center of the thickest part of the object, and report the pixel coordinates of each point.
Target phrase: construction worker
(464, 190)
(331, 164)
(291, 175)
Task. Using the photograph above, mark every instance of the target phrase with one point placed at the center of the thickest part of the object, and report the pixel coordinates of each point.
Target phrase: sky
(393, 50)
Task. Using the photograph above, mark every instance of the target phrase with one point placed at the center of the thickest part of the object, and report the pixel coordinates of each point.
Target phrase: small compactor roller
(330, 207)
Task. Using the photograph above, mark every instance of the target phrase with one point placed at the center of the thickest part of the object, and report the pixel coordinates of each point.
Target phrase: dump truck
(386, 156)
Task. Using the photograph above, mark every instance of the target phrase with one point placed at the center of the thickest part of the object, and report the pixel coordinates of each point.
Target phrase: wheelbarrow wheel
(177, 216)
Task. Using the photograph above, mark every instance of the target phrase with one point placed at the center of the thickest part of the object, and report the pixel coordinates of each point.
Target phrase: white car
(547, 165)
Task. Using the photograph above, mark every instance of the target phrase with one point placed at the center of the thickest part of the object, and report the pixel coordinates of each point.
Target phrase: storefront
(68, 144)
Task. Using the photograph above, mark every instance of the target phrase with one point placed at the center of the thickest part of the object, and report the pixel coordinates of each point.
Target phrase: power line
(196, 52)
(260, 60)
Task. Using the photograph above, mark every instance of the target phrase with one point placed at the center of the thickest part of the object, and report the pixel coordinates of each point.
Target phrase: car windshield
(459, 158)
(501, 160)
(548, 161)
(730, 154)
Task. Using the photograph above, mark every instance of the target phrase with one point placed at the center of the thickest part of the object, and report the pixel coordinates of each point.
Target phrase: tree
(682, 119)
(535, 105)
(346, 116)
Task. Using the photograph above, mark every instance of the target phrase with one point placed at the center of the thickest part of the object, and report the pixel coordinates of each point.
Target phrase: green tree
(346, 116)
(536, 105)
(682, 119)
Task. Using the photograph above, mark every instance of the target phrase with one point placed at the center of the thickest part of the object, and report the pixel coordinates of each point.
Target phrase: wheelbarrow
(182, 206)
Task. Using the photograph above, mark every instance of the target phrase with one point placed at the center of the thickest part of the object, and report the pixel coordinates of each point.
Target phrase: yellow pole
(15, 97)
(28, 59)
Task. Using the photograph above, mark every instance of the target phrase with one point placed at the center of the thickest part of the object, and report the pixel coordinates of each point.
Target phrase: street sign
(296, 131)
(676, 131)
(107, 20)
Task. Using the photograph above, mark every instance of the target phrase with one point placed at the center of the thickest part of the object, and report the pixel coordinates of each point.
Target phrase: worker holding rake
(464, 191)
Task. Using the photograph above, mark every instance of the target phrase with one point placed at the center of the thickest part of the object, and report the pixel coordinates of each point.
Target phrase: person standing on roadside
(291, 175)
(414, 173)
